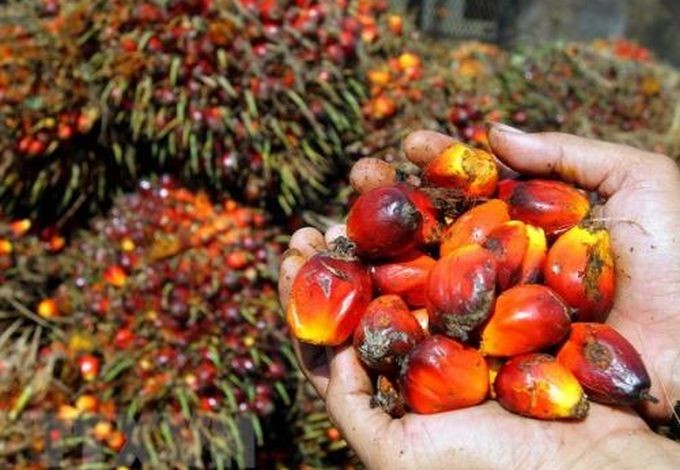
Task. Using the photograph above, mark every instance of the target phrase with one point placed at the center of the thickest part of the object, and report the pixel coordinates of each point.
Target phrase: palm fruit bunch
(48, 115)
(455, 287)
(587, 90)
(171, 344)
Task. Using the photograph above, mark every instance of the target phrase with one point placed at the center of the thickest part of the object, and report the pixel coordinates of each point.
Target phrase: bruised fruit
(441, 374)
(383, 223)
(537, 386)
(474, 226)
(606, 364)
(472, 171)
(461, 290)
(526, 318)
(552, 205)
(386, 333)
(406, 278)
(328, 297)
(580, 267)
(388, 398)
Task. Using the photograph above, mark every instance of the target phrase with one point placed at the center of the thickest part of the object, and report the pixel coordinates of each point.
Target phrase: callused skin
(606, 364)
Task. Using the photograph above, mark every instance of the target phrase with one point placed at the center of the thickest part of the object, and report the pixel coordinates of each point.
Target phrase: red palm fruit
(441, 374)
(580, 267)
(509, 243)
(386, 333)
(329, 295)
(606, 364)
(534, 258)
(526, 318)
(553, 206)
(474, 226)
(406, 278)
(88, 365)
(461, 290)
(388, 398)
(537, 386)
(383, 223)
(431, 228)
(472, 171)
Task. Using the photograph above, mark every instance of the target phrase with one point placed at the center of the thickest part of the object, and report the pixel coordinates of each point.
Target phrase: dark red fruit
(406, 278)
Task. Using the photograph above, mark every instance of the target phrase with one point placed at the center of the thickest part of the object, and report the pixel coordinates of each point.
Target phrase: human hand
(643, 216)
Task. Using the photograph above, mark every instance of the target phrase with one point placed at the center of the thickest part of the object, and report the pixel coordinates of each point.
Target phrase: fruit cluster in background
(258, 101)
(505, 299)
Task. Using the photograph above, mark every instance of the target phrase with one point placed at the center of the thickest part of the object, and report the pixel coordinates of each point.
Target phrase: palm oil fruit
(537, 386)
(526, 318)
(329, 295)
(460, 291)
(386, 333)
(606, 364)
(471, 171)
(431, 227)
(551, 205)
(474, 226)
(388, 398)
(383, 223)
(580, 267)
(406, 278)
(441, 374)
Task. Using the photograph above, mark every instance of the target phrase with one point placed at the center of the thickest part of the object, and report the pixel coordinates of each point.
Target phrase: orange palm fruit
(441, 374)
(537, 386)
(472, 171)
(115, 276)
(329, 295)
(520, 250)
(474, 226)
(460, 291)
(526, 318)
(20, 227)
(608, 367)
(580, 268)
(383, 223)
(406, 278)
(381, 107)
(48, 308)
(509, 243)
(551, 205)
(89, 365)
(386, 333)
(534, 258)
(6, 247)
(431, 228)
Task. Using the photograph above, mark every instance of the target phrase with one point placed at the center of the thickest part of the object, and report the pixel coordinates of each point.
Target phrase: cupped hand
(642, 213)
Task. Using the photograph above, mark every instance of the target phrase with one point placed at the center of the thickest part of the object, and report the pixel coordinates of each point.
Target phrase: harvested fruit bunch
(169, 316)
(462, 287)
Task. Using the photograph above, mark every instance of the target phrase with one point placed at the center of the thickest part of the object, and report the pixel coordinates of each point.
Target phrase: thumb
(348, 402)
(592, 164)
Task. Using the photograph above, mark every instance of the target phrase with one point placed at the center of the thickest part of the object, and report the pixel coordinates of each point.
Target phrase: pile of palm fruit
(138, 312)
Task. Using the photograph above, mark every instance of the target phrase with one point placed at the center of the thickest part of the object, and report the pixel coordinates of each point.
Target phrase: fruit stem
(344, 247)
(645, 395)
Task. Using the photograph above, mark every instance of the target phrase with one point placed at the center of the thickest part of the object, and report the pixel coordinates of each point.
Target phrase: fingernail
(500, 127)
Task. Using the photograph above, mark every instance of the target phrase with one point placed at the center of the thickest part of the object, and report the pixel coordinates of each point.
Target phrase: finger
(371, 173)
(594, 165)
(348, 403)
(423, 146)
(335, 232)
(291, 263)
(308, 240)
(313, 361)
